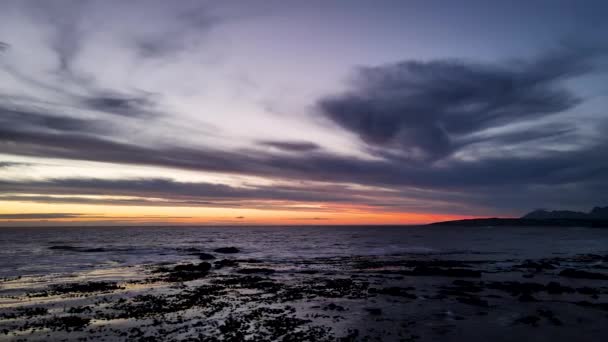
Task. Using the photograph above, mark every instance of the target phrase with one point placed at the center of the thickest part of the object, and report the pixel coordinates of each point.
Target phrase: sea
(72, 251)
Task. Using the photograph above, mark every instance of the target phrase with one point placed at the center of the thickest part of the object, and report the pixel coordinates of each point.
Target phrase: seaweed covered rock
(572, 273)
(227, 250)
(188, 272)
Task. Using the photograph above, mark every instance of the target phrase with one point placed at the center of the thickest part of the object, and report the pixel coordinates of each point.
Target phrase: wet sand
(214, 296)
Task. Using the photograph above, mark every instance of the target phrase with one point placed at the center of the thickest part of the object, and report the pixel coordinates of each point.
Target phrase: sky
(300, 112)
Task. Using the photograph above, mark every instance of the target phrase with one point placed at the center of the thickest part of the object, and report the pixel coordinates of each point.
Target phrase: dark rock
(601, 306)
(550, 316)
(333, 307)
(28, 312)
(588, 291)
(188, 272)
(572, 273)
(536, 265)
(93, 286)
(64, 248)
(529, 320)
(256, 270)
(467, 286)
(445, 272)
(472, 300)
(374, 311)
(516, 288)
(227, 250)
(308, 272)
(556, 288)
(205, 256)
(395, 291)
(526, 297)
(225, 263)
(68, 323)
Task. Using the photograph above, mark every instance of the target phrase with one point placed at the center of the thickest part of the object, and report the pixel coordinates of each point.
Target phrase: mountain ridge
(597, 213)
(596, 218)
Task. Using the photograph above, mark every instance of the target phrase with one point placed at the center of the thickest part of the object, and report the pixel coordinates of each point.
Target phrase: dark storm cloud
(4, 46)
(423, 108)
(294, 146)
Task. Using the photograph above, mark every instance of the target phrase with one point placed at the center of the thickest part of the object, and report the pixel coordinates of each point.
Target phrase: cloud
(445, 135)
(40, 216)
(425, 110)
(18, 119)
(11, 164)
(184, 28)
(116, 104)
(187, 193)
(291, 146)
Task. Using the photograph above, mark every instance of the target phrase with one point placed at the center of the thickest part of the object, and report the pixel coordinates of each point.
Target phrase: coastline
(213, 296)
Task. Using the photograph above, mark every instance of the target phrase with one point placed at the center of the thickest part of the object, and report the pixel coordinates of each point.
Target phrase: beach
(304, 284)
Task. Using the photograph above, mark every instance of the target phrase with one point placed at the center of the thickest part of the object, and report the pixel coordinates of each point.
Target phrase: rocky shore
(219, 296)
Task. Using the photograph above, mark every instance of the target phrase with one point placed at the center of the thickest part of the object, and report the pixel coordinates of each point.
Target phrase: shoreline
(350, 298)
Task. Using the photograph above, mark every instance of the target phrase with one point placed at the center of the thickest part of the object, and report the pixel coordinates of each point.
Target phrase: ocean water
(65, 251)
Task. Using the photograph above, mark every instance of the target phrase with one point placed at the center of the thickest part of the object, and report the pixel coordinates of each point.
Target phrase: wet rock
(550, 316)
(516, 288)
(188, 272)
(251, 261)
(256, 271)
(308, 272)
(68, 323)
(467, 286)
(529, 320)
(526, 297)
(587, 258)
(64, 248)
(333, 307)
(205, 256)
(27, 312)
(445, 272)
(374, 311)
(227, 250)
(538, 266)
(588, 291)
(225, 263)
(395, 291)
(78, 249)
(572, 273)
(473, 300)
(88, 287)
(601, 306)
(556, 288)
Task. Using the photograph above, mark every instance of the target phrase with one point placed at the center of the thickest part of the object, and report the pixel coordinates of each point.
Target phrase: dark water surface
(41, 251)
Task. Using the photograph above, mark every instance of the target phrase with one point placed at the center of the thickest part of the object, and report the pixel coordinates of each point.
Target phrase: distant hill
(597, 213)
(597, 217)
